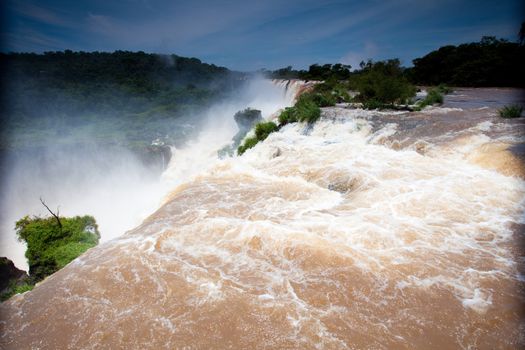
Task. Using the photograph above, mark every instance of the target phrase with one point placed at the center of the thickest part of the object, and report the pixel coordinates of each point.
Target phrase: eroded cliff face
(367, 230)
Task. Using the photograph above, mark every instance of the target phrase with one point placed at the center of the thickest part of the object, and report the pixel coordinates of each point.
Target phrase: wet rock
(155, 156)
(9, 274)
(246, 120)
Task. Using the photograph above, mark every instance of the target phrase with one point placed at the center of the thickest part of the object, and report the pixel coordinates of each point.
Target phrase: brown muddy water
(369, 230)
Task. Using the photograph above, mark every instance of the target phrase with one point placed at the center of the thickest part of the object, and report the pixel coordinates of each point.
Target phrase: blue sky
(249, 35)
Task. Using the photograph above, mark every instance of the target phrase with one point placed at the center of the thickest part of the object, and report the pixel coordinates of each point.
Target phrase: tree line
(489, 62)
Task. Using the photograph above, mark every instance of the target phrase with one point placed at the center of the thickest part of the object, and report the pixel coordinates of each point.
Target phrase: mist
(111, 182)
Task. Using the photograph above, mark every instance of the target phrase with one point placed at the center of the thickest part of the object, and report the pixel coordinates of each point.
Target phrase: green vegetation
(26, 287)
(305, 110)
(444, 89)
(287, 116)
(433, 97)
(489, 62)
(382, 84)
(262, 130)
(124, 98)
(336, 71)
(15, 288)
(54, 242)
(512, 111)
(248, 143)
(246, 120)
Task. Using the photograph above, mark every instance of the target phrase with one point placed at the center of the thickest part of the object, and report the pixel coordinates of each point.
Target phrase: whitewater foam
(336, 241)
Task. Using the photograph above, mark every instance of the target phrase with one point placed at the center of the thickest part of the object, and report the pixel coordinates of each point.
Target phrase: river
(386, 230)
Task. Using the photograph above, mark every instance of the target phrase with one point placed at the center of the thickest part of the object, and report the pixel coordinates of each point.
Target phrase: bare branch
(49, 210)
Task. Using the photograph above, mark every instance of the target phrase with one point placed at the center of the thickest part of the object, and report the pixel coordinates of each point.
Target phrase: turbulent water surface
(366, 230)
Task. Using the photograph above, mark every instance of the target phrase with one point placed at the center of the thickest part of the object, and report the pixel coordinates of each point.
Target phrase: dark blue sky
(248, 35)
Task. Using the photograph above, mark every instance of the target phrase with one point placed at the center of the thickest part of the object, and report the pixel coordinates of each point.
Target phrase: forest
(489, 62)
(132, 98)
(128, 98)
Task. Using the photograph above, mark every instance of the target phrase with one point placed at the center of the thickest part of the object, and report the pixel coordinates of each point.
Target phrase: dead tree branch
(55, 215)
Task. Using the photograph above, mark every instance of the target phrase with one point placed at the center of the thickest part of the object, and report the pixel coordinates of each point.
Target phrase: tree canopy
(51, 245)
(128, 96)
(489, 62)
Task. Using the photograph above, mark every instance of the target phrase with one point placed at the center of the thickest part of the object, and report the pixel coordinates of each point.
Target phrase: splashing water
(112, 185)
(352, 235)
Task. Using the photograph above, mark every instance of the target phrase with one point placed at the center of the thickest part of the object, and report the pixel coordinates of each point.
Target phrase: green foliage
(248, 143)
(489, 62)
(121, 97)
(262, 130)
(512, 111)
(433, 97)
(15, 288)
(51, 247)
(373, 104)
(26, 287)
(336, 71)
(287, 116)
(383, 83)
(323, 99)
(307, 110)
(64, 254)
(444, 89)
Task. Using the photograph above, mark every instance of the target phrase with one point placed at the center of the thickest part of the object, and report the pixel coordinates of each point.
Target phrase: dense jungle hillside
(121, 97)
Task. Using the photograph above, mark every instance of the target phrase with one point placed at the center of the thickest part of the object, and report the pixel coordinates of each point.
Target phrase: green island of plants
(306, 109)
(52, 243)
(512, 111)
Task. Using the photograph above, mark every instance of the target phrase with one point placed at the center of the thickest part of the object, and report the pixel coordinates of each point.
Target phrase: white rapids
(320, 237)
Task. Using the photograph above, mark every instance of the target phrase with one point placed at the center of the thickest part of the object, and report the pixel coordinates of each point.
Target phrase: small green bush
(324, 99)
(307, 110)
(26, 287)
(433, 97)
(287, 116)
(373, 104)
(331, 92)
(15, 288)
(445, 90)
(262, 130)
(248, 143)
(512, 111)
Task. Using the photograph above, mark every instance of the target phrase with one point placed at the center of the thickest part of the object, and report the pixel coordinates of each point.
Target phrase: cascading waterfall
(114, 187)
(371, 230)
